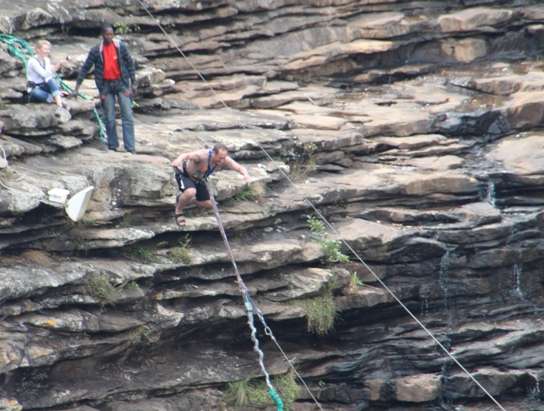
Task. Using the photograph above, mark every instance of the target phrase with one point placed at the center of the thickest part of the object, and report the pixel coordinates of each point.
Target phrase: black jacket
(126, 64)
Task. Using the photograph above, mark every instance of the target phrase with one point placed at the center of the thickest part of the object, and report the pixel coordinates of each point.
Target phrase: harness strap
(210, 169)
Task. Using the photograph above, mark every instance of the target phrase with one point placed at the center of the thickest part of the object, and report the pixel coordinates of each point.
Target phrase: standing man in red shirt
(114, 75)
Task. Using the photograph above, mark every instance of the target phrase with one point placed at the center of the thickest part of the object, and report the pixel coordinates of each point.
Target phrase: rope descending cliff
(251, 310)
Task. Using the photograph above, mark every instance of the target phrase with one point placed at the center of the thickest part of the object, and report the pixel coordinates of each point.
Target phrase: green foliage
(100, 288)
(315, 225)
(143, 253)
(247, 194)
(354, 281)
(255, 393)
(124, 28)
(332, 251)
(142, 334)
(320, 312)
(182, 253)
(245, 392)
(331, 248)
(288, 388)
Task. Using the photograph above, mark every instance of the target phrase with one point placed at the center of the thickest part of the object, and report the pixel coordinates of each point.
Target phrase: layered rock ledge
(414, 126)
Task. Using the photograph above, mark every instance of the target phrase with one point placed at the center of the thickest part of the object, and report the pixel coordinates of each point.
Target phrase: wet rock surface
(415, 128)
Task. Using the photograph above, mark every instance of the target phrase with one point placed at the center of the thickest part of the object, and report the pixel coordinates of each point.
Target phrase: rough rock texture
(414, 126)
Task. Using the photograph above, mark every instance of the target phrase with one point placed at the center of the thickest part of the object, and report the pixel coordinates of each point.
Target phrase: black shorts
(184, 182)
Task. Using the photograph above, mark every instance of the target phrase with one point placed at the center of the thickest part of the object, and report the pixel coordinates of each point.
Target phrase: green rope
(22, 51)
(18, 48)
(101, 127)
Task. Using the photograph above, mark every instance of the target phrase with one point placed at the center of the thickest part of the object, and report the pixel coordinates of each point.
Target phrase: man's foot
(180, 219)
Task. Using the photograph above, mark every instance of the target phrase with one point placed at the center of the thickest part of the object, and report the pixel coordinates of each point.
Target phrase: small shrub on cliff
(315, 225)
(331, 248)
(333, 252)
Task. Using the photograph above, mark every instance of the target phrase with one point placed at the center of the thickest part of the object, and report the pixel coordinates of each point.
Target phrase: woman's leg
(38, 94)
(54, 90)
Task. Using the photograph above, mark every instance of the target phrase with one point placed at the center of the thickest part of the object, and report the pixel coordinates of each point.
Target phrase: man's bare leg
(204, 204)
(186, 198)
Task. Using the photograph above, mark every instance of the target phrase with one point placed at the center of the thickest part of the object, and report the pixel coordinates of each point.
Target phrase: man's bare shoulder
(202, 154)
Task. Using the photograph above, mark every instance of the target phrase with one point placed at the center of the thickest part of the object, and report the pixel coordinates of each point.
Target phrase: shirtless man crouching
(192, 170)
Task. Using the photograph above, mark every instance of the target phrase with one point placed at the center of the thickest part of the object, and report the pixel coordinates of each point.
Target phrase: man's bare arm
(233, 165)
(191, 155)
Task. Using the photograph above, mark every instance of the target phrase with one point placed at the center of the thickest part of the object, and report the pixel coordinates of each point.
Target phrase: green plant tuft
(100, 288)
(142, 334)
(124, 28)
(331, 248)
(315, 225)
(288, 388)
(320, 312)
(332, 251)
(255, 393)
(182, 252)
(355, 282)
(145, 254)
(247, 194)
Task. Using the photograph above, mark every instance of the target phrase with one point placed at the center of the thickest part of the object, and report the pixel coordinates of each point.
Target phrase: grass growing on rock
(182, 252)
(320, 312)
(354, 282)
(101, 289)
(143, 253)
(255, 393)
(253, 192)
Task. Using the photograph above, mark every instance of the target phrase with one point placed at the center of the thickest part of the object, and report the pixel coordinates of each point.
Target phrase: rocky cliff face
(414, 125)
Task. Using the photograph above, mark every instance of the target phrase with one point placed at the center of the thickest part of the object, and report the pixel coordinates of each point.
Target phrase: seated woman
(40, 75)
